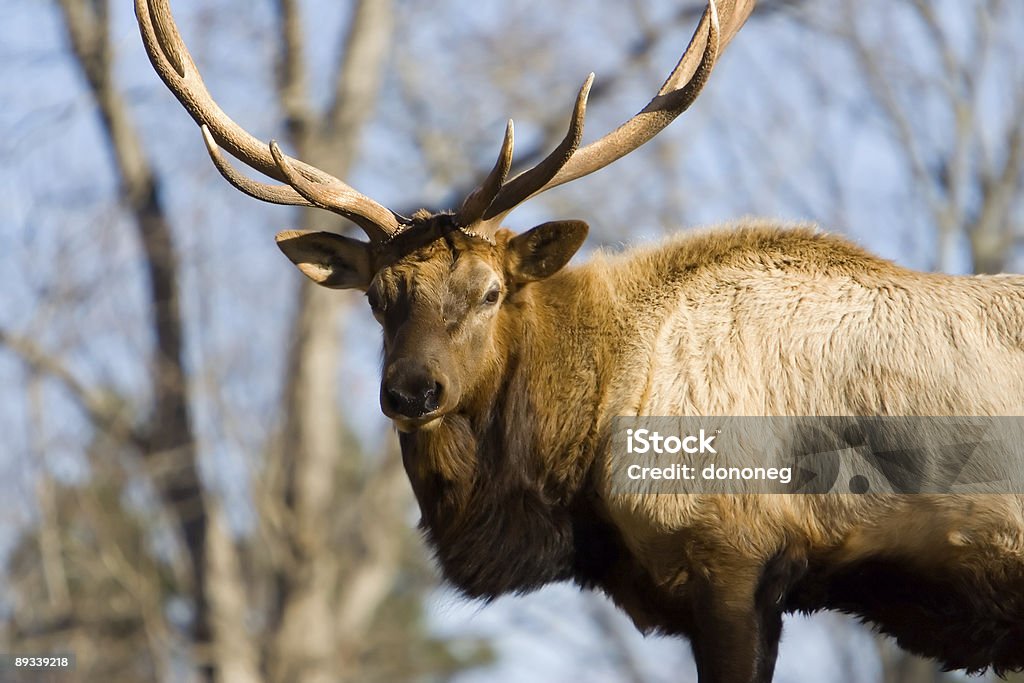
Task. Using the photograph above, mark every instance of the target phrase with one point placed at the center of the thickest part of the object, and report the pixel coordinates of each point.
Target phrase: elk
(503, 370)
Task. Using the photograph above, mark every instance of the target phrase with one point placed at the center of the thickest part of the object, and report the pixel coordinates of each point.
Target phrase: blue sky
(784, 130)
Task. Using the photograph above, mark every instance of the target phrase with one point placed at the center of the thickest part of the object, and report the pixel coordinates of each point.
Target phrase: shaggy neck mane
(498, 486)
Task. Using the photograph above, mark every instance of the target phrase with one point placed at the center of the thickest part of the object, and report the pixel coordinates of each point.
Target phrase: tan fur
(504, 375)
(759, 320)
(753, 319)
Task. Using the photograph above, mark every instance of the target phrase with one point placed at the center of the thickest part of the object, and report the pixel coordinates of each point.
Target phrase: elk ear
(328, 259)
(542, 251)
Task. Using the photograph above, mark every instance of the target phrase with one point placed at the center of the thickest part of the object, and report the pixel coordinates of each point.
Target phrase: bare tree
(144, 558)
(313, 593)
(168, 442)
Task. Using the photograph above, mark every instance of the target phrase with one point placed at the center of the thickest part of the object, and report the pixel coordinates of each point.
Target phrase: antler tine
(670, 102)
(274, 194)
(327, 196)
(531, 181)
(175, 66)
(316, 196)
(568, 163)
(479, 199)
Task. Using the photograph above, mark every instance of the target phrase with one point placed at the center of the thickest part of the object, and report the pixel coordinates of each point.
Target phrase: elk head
(439, 284)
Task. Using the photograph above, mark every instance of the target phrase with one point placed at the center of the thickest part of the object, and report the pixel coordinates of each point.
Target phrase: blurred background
(198, 483)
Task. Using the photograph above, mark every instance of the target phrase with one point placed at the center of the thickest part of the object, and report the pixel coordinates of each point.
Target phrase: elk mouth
(425, 423)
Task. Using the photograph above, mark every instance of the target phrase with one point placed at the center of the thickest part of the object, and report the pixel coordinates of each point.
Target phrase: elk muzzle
(412, 392)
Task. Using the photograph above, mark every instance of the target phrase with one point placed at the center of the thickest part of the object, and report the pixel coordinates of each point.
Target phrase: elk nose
(414, 396)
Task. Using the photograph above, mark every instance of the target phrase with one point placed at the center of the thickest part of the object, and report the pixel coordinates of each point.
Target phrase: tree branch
(170, 426)
(102, 414)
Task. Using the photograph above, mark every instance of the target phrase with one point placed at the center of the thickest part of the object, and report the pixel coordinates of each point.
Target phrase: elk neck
(499, 482)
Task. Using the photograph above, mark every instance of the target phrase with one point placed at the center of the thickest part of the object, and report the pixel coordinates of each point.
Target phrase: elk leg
(737, 636)
(770, 633)
(777, 576)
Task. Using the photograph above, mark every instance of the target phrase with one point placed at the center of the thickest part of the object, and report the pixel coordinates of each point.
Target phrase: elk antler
(306, 185)
(479, 199)
(568, 163)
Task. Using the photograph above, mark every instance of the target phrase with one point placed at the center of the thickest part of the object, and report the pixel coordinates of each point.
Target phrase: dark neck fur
(496, 517)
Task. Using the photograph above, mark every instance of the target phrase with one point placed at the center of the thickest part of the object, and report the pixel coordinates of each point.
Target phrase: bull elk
(503, 370)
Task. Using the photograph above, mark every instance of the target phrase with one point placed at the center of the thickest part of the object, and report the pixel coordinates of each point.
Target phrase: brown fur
(504, 375)
(513, 474)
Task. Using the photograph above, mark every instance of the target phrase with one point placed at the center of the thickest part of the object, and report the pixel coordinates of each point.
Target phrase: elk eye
(492, 297)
